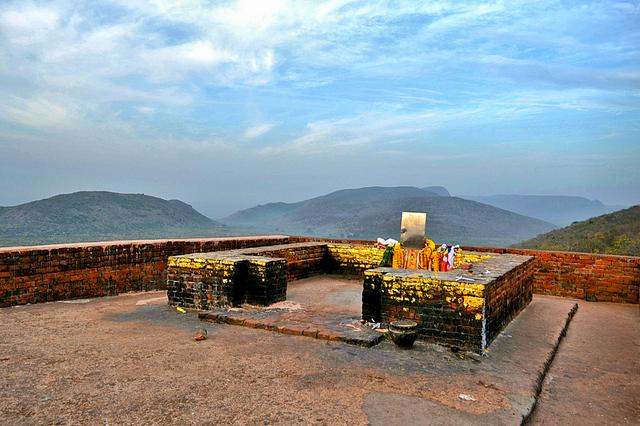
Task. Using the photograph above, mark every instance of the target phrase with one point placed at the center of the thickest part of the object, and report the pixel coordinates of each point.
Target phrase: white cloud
(39, 112)
(383, 127)
(186, 55)
(145, 110)
(29, 22)
(257, 131)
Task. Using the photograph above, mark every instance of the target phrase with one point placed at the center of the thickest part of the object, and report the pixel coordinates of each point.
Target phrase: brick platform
(204, 281)
(465, 309)
(256, 276)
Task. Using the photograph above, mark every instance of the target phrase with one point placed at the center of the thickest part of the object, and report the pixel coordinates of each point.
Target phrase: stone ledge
(338, 328)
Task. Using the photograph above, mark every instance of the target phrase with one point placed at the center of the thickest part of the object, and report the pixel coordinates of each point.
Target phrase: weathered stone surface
(145, 351)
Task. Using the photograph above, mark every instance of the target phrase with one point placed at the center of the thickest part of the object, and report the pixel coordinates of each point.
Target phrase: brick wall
(593, 277)
(588, 276)
(256, 275)
(226, 281)
(506, 297)
(211, 285)
(303, 260)
(352, 259)
(447, 312)
(47, 273)
(68, 271)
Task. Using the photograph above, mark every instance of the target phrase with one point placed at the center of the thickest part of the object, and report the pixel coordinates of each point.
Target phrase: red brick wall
(68, 271)
(507, 296)
(303, 261)
(57, 272)
(594, 277)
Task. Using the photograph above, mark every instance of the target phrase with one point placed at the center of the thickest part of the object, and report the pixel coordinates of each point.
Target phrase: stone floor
(324, 307)
(595, 378)
(131, 359)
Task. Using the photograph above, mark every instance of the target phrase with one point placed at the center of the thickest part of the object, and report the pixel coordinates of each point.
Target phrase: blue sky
(229, 104)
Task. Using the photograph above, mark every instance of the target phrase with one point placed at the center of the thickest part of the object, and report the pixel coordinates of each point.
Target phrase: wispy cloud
(257, 131)
(42, 112)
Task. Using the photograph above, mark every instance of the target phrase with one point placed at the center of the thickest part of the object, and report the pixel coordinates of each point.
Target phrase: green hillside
(99, 215)
(613, 233)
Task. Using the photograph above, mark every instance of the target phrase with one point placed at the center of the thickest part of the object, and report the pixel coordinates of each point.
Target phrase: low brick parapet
(69, 271)
(589, 276)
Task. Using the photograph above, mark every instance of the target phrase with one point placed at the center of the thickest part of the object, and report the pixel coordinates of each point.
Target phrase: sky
(226, 105)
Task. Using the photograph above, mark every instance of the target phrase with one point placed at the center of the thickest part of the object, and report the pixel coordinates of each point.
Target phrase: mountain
(98, 215)
(373, 212)
(614, 233)
(438, 190)
(264, 215)
(557, 209)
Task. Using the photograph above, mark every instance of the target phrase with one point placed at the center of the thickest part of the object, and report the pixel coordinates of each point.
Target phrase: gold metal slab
(412, 229)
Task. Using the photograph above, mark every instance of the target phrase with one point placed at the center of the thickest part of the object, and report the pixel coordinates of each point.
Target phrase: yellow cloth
(398, 257)
(430, 244)
(411, 259)
(436, 257)
(425, 257)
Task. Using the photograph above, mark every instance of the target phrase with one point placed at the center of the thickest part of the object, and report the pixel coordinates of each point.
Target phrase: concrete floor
(131, 359)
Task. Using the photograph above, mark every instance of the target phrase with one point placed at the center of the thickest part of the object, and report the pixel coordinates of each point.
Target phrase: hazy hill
(267, 215)
(98, 215)
(557, 209)
(615, 233)
(375, 212)
(438, 190)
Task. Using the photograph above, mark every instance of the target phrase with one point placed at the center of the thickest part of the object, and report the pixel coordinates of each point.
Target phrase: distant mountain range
(557, 209)
(614, 233)
(98, 215)
(362, 213)
(367, 213)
